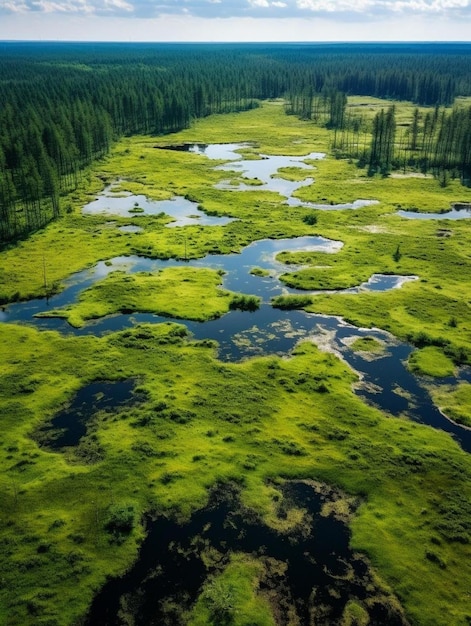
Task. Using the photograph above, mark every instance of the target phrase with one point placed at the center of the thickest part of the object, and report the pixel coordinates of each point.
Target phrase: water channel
(267, 330)
(387, 381)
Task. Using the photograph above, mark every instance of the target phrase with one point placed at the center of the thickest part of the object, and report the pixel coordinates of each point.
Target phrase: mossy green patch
(258, 271)
(367, 344)
(432, 362)
(205, 421)
(179, 292)
(454, 402)
(255, 423)
(233, 598)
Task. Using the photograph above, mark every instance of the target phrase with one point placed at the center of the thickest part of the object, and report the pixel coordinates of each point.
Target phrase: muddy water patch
(308, 572)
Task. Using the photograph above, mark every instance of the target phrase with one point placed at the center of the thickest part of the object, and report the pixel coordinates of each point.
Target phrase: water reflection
(316, 562)
(453, 214)
(262, 173)
(183, 211)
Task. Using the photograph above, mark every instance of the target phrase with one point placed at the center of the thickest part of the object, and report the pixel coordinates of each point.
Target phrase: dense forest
(62, 105)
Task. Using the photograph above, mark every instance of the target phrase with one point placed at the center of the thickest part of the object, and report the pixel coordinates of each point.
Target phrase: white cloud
(381, 7)
(338, 9)
(259, 3)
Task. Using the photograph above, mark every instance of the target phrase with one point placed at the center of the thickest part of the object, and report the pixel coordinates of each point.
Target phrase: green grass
(180, 292)
(367, 344)
(432, 362)
(234, 417)
(255, 423)
(232, 597)
(454, 402)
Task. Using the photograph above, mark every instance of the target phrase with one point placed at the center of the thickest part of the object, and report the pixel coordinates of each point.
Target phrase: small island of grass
(367, 344)
(455, 402)
(180, 292)
(258, 271)
(430, 361)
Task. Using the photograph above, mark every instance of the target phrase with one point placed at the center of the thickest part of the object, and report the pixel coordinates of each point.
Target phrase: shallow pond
(71, 424)
(453, 214)
(262, 173)
(130, 229)
(183, 211)
(357, 204)
(216, 151)
(314, 561)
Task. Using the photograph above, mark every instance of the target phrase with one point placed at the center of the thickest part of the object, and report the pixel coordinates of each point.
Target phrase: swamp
(236, 386)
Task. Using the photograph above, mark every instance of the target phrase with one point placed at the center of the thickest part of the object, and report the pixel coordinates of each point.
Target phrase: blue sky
(236, 20)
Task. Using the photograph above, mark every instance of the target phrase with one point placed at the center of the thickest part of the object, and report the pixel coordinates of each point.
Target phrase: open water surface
(267, 330)
(321, 569)
(453, 214)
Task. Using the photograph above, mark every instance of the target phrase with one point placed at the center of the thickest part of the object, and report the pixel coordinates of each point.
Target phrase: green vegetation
(367, 344)
(181, 292)
(232, 598)
(455, 402)
(244, 302)
(291, 302)
(69, 522)
(64, 106)
(236, 417)
(432, 362)
(258, 271)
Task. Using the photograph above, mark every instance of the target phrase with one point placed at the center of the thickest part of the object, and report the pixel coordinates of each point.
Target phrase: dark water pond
(70, 425)
(320, 569)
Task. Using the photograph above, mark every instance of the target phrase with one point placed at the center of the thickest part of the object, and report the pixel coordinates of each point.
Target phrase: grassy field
(72, 518)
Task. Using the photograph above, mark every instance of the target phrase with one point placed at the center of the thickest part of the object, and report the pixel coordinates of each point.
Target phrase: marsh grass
(454, 402)
(204, 420)
(179, 292)
(367, 344)
(432, 362)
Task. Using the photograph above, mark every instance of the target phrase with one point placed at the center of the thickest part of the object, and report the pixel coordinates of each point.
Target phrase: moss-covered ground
(454, 401)
(70, 521)
(187, 292)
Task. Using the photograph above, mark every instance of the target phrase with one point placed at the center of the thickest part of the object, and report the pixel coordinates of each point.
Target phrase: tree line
(437, 141)
(62, 105)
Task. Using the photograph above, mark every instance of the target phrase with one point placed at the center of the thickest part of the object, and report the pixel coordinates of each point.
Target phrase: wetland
(253, 416)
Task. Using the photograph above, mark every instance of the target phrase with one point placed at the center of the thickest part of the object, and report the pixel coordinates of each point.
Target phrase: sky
(236, 20)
